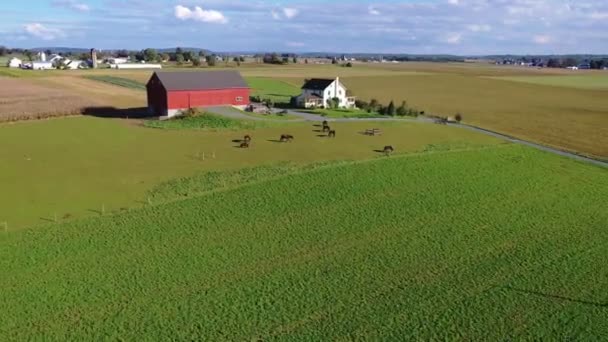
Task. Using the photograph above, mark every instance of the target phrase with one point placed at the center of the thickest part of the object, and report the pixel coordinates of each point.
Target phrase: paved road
(233, 113)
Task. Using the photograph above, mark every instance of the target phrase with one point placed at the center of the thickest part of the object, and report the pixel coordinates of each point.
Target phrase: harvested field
(24, 100)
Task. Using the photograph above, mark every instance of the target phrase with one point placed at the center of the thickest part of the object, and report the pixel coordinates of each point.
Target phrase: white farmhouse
(38, 65)
(317, 92)
(14, 63)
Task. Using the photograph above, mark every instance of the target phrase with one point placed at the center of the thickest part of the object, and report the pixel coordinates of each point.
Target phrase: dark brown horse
(244, 144)
(388, 150)
(247, 138)
(326, 128)
(331, 134)
(286, 138)
(325, 123)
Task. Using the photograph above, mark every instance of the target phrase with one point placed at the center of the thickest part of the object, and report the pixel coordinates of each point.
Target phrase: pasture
(75, 167)
(495, 243)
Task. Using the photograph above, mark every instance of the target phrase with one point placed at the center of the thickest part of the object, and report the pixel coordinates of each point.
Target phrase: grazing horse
(388, 150)
(244, 144)
(247, 138)
(325, 123)
(286, 138)
(331, 134)
(326, 128)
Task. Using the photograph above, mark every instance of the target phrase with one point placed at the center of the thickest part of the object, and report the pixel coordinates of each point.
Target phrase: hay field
(505, 243)
(23, 100)
(596, 81)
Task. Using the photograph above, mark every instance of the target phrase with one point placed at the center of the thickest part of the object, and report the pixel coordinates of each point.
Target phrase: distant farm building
(172, 92)
(136, 66)
(14, 63)
(38, 65)
(317, 92)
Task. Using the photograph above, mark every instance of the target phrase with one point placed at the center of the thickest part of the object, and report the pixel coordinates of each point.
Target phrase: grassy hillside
(497, 244)
(76, 167)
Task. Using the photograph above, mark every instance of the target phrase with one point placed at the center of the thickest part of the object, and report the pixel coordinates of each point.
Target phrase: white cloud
(275, 15)
(373, 11)
(72, 4)
(542, 39)
(479, 28)
(599, 15)
(199, 14)
(40, 31)
(453, 2)
(453, 38)
(290, 12)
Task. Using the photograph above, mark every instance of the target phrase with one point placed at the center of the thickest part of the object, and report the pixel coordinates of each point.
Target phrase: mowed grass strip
(500, 244)
(118, 81)
(69, 168)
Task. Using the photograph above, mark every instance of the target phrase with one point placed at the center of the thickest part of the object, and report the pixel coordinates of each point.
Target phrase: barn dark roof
(182, 80)
(317, 84)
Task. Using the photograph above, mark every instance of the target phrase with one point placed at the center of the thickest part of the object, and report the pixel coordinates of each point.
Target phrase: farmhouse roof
(317, 84)
(176, 80)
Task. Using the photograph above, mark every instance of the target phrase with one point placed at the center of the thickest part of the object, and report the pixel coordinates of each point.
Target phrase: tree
(553, 63)
(29, 55)
(210, 60)
(196, 62)
(236, 59)
(122, 53)
(241, 59)
(334, 61)
(150, 55)
(458, 117)
(201, 53)
(373, 106)
(179, 58)
(188, 56)
(390, 110)
(48, 52)
(285, 60)
(179, 51)
(3, 50)
(295, 60)
(306, 61)
(402, 110)
(165, 57)
(349, 65)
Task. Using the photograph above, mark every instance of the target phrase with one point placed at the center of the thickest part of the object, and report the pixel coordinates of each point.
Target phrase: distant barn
(171, 92)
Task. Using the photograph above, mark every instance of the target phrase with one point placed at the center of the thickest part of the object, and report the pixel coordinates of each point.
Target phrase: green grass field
(76, 167)
(595, 81)
(497, 243)
(275, 90)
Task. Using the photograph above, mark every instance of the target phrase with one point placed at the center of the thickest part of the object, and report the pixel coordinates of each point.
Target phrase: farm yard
(135, 229)
(553, 107)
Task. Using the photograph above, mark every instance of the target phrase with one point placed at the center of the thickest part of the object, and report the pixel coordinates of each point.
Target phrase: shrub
(458, 117)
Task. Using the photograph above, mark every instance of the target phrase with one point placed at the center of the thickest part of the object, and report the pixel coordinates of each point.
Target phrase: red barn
(171, 92)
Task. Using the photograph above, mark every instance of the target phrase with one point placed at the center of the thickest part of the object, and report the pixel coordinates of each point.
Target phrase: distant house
(117, 60)
(169, 93)
(73, 65)
(317, 93)
(14, 63)
(572, 68)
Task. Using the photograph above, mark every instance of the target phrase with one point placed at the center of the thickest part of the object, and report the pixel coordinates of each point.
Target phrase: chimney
(94, 58)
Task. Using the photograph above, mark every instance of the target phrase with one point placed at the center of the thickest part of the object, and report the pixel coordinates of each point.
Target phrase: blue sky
(466, 27)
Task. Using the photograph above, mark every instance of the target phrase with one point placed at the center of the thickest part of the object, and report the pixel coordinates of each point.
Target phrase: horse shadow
(321, 135)
(238, 141)
(275, 141)
(317, 130)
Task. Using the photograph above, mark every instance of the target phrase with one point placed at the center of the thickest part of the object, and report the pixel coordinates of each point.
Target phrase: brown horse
(388, 150)
(326, 128)
(286, 138)
(244, 144)
(325, 123)
(247, 138)
(331, 134)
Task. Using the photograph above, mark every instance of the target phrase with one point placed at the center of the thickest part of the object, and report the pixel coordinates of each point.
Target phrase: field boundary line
(554, 150)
